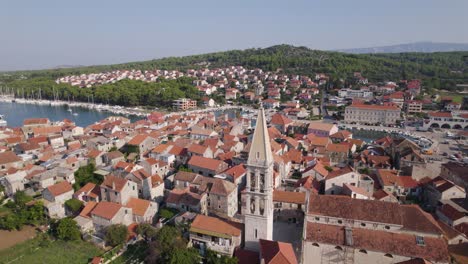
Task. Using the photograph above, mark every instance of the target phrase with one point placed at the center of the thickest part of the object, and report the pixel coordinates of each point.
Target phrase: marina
(14, 113)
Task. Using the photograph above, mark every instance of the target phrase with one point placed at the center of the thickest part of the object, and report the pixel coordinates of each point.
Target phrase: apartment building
(184, 104)
(372, 114)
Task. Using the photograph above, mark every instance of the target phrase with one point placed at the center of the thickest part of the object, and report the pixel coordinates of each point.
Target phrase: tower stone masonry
(259, 190)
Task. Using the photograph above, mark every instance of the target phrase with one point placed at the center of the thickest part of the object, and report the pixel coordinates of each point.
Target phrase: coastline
(115, 109)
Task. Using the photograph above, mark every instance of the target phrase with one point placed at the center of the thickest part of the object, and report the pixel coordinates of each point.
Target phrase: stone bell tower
(259, 189)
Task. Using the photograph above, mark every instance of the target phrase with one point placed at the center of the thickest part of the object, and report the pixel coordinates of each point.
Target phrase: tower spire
(260, 149)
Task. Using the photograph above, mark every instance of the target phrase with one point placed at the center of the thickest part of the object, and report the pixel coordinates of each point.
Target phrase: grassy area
(457, 98)
(56, 252)
(167, 213)
(134, 254)
(4, 210)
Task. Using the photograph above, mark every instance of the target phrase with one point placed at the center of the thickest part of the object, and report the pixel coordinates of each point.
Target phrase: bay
(15, 113)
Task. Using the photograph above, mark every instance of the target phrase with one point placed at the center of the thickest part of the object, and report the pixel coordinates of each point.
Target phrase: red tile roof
(279, 119)
(289, 197)
(60, 188)
(114, 183)
(138, 139)
(206, 163)
(106, 210)
(374, 107)
(274, 252)
(402, 244)
(440, 114)
(215, 226)
(8, 157)
(139, 206)
(35, 121)
(236, 171)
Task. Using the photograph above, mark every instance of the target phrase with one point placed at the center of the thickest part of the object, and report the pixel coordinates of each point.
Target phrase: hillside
(411, 47)
(438, 70)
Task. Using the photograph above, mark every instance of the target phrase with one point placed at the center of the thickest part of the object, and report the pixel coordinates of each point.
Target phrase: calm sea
(15, 113)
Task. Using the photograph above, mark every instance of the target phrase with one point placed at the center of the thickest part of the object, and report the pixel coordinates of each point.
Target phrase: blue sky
(42, 34)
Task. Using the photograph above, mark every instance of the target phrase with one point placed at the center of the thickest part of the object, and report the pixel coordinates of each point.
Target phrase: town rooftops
(440, 114)
(275, 252)
(60, 188)
(236, 171)
(213, 226)
(8, 157)
(35, 121)
(138, 139)
(320, 126)
(279, 119)
(206, 163)
(374, 107)
(289, 197)
(114, 183)
(106, 210)
(337, 173)
(402, 244)
(409, 217)
(139, 206)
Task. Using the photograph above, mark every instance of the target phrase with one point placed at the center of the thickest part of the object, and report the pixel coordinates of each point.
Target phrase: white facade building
(372, 114)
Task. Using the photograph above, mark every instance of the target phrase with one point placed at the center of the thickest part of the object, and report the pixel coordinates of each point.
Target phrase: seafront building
(372, 114)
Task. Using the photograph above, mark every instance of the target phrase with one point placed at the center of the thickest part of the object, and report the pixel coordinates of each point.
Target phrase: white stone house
(55, 197)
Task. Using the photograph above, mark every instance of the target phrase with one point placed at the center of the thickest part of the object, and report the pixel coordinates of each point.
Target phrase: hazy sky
(46, 33)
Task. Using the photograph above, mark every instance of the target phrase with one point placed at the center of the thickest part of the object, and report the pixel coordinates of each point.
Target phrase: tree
(35, 213)
(74, 205)
(183, 256)
(21, 198)
(9, 222)
(67, 229)
(116, 235)
(147, 231)
(212, 257)
(85, 175)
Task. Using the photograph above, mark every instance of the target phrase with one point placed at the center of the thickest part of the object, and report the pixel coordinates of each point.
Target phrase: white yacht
(3, 122)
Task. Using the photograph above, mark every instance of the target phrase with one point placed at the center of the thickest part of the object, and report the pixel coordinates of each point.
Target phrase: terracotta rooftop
(35, 121)
(139, 206)
(402, 244)
(8, 157)
(374, 107)
(236, 171)
(275, 252)
(138, 139)
(440, 114)
(86, 212)
(106, 210)
(289, 197)
(206, 163)
(279, 119)
(60, 188)
(114, 183)
(214, 226)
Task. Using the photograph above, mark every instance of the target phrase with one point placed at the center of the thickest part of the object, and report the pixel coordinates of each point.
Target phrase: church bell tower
(259, 189)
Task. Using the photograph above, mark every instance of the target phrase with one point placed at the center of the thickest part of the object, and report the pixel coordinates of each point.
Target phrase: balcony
(203, 242)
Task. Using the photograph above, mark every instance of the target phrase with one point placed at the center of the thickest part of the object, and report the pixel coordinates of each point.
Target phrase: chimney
(113, 185)
(348, 236)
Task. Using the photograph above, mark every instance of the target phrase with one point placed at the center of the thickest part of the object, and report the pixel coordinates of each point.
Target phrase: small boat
(75, 114)
(3, 122)
(69, 110)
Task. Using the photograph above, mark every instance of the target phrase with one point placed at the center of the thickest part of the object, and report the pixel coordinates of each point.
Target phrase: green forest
(124, 92)
(440, 70)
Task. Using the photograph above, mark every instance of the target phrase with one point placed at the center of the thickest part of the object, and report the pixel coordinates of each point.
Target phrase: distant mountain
(68, 66)
(411, 47)
(439, 69)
